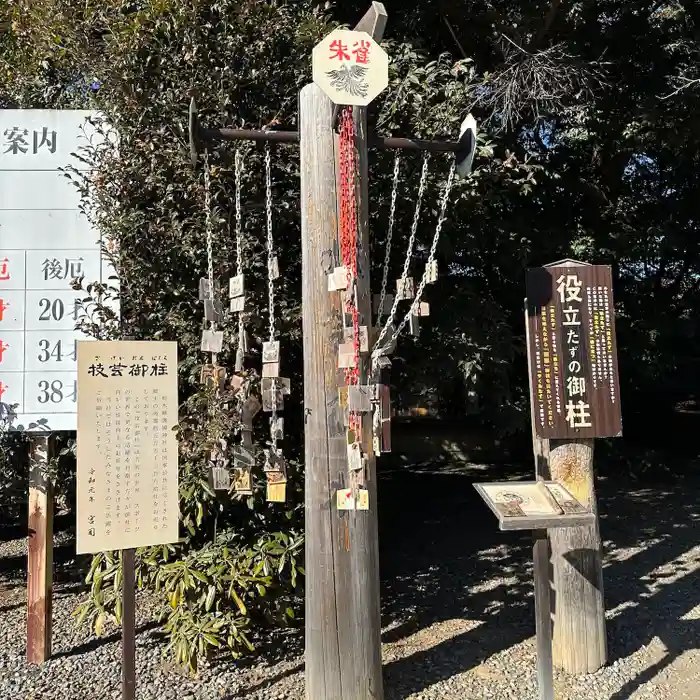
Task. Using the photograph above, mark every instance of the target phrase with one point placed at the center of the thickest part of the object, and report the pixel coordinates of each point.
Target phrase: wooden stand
(128, 625)
(544, 527)
(40, 552)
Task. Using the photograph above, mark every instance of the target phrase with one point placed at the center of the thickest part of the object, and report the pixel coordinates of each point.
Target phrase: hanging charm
(432, 272)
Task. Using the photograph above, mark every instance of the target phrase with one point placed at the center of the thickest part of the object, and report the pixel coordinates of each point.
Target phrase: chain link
(409, 251)
(208, 227)
(238, 173)
(270, 291)
(389, 235)
(424, 280)
(270, 243)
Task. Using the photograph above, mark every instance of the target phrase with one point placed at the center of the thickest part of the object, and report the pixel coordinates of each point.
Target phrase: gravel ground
(458, 609)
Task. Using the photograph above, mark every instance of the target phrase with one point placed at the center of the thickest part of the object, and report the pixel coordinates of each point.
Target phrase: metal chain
(409, 251)
(238, 172)
(389, 235)
(270, 291)
(426, 272)
(270, 243)
(208, 227)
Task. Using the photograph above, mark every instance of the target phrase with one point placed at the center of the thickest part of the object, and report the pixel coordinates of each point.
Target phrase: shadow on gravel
(68, 568)
(97, 642)
(443, 559)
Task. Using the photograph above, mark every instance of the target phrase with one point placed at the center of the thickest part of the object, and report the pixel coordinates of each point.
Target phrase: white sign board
(45, 243)
(350, 67)
(127, 477)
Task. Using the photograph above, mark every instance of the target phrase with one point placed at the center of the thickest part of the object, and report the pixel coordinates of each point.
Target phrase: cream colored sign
(350, 67)
(127, 480)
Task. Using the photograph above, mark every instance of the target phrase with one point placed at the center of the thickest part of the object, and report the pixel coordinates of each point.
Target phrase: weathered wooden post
(574, 397)
(343, 628)
(39, 552)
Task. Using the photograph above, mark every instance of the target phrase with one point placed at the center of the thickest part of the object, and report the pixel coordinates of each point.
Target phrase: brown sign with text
(574, 383)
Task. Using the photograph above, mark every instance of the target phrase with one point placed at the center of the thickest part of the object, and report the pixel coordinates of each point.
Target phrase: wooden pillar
(343, 634)
(40, 552)
(578, 609)
(579, 639)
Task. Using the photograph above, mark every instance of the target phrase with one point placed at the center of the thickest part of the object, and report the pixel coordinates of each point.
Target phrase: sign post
(45, 243)
(575, 397)
(543, 507)
(127, 480)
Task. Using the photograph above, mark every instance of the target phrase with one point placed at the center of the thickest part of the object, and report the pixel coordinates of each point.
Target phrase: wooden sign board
(127, 451)
(574, 381)
(533, 505)
(45, 243)
(350, 67)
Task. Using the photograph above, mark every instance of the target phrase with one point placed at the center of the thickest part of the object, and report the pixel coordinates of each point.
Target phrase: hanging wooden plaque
(212, 341)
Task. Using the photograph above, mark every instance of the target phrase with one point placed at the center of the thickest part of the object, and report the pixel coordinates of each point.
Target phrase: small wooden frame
(513, 517)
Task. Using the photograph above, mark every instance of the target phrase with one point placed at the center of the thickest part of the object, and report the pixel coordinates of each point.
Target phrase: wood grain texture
(579, 635)
(324, 443)
(40, 554)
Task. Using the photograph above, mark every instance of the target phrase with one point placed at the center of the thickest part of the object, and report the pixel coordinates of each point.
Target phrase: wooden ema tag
(212, 341)
(355, 462)
(205, 291)
(384, 419)
(213, 311)
(349, 334)
(271, 351)
(344, 499)
(404, 289)
(237, 305)
(422, 309)
(271, 369)
(274, 462)
(360, 398)
(413, 325)
(273, 268)
(432, 272)
(276, 487)
(362, 502)
(236, 383)
(236, 286)
(346, 356)
(277, 428)
(242, 480)
(243, 456)
(220, 479)
(213, 377)
(338, 279)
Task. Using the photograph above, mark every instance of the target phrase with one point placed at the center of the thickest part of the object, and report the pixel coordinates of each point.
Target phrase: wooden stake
(579, 635)
(40, 552)
(543, 615)
(343, 632)
(128, 625)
